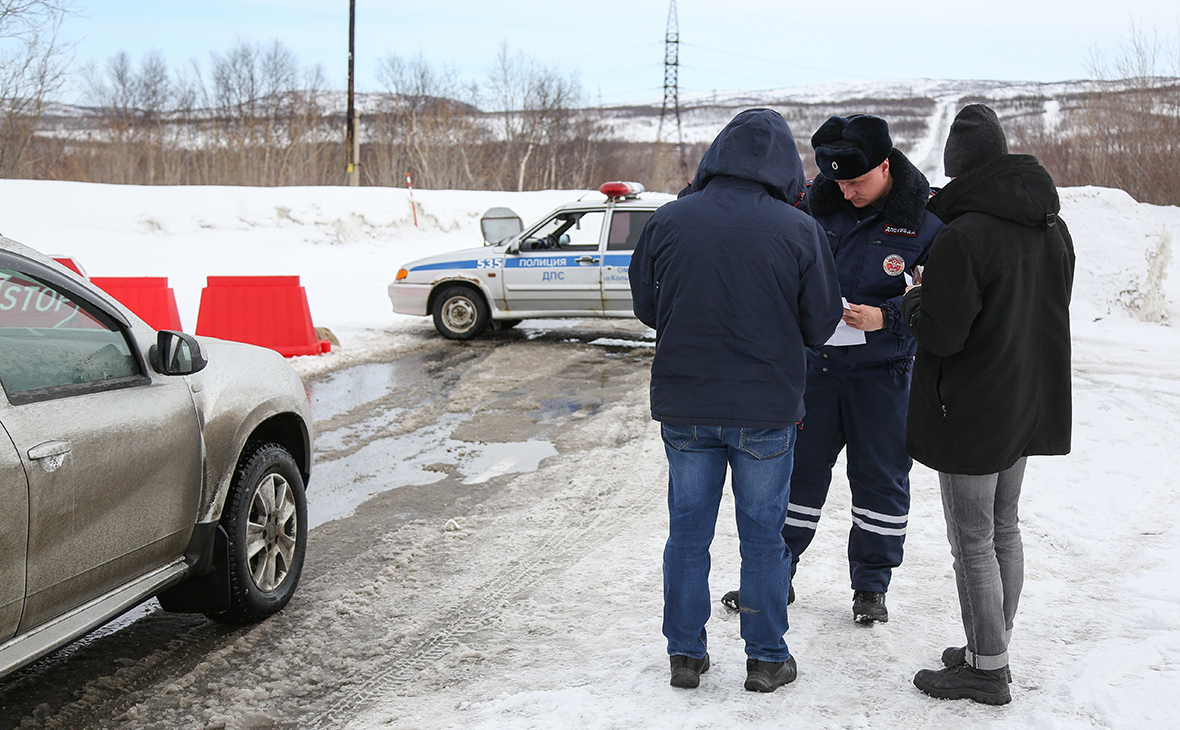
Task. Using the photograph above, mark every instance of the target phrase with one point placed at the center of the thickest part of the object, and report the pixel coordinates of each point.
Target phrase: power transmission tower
(352, 142)
(671, 83)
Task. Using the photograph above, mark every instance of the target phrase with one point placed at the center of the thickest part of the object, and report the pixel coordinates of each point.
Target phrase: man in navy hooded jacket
(737, 282)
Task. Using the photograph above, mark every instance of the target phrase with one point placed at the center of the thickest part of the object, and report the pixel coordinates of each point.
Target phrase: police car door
(625, 227)
(558, 267)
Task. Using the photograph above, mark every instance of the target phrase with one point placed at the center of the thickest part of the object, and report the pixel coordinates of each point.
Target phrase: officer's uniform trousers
(866, 414)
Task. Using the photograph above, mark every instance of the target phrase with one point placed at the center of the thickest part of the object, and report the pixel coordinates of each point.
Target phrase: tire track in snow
(184, 642)
(565, 543)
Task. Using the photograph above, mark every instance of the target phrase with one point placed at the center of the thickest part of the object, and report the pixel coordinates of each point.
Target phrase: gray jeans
(984, 531)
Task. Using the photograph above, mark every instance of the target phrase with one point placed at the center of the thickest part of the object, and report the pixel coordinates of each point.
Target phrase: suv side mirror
(176, 353)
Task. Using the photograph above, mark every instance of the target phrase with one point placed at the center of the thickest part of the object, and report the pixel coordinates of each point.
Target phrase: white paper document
(845, 335)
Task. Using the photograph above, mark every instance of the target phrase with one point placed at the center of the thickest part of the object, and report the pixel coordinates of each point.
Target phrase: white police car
(572, 264)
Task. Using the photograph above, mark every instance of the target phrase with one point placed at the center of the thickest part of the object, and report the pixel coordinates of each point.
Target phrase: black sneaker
(732, 601)
(965, 682)
(768, 676)
(955, 655)
(869, 607)
(686, 671)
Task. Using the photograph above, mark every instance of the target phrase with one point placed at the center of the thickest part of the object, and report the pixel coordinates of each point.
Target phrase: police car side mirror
(513, 247)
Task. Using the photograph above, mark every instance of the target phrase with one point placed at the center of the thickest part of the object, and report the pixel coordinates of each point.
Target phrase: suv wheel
(265, 517)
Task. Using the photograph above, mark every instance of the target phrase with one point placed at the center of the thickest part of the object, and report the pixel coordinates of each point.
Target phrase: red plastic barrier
(270, 311)
(70, 264)
(149, 297)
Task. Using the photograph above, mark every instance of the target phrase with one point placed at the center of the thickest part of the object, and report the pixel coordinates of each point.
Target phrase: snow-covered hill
(919, 111)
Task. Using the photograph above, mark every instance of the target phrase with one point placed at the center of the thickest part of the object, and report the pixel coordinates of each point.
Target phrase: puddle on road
(424, 456)
(344, 390)
(560, 409)
(497, 459)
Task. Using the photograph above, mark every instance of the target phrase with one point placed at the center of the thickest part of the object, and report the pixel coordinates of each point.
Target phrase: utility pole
(352, 142)
(672, 84)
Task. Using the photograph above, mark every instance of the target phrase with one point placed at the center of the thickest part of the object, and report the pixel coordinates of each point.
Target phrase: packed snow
(1097, 640)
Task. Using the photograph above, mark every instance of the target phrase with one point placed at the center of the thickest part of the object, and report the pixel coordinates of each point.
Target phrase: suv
(571, 264)
(136, 463)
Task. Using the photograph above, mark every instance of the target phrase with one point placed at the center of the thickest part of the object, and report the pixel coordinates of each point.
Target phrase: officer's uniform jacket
(872, 257)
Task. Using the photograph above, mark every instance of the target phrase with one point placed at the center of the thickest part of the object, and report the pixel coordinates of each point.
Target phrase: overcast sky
(617, 48)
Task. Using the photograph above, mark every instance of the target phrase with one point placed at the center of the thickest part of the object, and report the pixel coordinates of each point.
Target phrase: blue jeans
(761, 460)
(983, 525)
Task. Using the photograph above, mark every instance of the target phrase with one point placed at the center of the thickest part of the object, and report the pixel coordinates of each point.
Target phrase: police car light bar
(620, 189)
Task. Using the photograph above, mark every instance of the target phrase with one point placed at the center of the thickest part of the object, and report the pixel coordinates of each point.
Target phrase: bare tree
(32, 68)
(255, 96)
(1126, 134)
(427, 123)
(535, 107)
(1133, 124)
(132, 107)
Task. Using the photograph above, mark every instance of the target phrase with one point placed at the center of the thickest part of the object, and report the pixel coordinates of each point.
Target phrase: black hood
(756, 145)
(1012, 187)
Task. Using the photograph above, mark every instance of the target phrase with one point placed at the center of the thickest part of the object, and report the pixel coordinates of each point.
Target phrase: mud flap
(206, 589)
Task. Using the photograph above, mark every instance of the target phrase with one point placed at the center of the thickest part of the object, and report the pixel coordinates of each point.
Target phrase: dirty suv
(136, 463)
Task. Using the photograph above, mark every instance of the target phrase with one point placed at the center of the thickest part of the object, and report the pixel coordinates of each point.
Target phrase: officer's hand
(864, 317)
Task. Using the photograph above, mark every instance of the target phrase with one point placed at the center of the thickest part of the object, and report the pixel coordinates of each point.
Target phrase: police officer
(870, 201)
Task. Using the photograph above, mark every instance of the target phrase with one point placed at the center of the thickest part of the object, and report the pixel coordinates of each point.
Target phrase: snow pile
(346, 244)
(1124, 250)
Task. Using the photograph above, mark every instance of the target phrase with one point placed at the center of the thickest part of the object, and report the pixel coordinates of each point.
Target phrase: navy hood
(756, 145)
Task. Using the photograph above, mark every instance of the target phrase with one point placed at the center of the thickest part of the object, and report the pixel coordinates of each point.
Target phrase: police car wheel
(460, 313)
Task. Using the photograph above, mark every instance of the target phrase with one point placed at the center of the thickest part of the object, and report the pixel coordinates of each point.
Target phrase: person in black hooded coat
(991, 383)
(736, 282)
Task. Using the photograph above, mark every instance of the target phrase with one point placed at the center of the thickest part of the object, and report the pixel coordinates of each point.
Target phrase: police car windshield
(568, 230)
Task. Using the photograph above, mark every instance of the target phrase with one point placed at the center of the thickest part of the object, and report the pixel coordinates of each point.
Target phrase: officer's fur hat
(846, 148)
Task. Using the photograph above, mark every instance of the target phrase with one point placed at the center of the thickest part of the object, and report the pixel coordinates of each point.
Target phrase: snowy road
(448, 437)
(467, 593)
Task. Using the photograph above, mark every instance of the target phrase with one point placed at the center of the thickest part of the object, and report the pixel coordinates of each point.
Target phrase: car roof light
(619, 189)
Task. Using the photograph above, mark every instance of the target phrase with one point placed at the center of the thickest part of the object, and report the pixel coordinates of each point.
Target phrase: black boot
(686, 671)
(732, 599)
(768, 676)
(953, 655)
(869, 607)
(965, 682)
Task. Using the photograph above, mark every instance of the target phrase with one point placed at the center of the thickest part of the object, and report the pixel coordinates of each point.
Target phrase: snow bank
(1124, 250)
(347, 243)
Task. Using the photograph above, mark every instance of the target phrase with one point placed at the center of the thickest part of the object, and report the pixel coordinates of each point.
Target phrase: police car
(571, 264)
